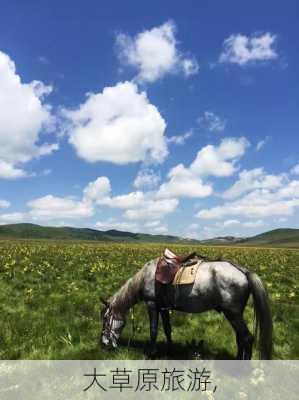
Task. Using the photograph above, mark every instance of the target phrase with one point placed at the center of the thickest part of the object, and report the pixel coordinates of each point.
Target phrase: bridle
(112, 329)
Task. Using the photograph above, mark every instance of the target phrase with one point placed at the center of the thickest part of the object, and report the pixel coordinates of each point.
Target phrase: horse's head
(112, 325)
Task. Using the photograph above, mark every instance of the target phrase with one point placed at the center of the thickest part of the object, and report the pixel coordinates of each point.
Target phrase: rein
(115, 325)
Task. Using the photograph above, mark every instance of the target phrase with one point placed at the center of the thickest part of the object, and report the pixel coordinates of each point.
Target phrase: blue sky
(157, 117)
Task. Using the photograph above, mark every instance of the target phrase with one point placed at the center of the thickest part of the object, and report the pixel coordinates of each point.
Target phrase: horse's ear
(105, 302)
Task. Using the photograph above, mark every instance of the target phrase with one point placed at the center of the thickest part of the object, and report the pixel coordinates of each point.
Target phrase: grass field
(49, 301)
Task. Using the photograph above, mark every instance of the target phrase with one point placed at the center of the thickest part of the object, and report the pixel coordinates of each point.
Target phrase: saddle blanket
(186, 275)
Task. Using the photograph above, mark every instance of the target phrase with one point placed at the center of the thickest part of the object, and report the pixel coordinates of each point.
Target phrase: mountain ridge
(286, 237)
(35, 231)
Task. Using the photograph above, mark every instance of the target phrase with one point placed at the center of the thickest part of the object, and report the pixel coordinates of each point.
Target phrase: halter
(112, 330)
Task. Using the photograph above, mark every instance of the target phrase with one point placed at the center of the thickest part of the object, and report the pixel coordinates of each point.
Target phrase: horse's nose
(105, 341)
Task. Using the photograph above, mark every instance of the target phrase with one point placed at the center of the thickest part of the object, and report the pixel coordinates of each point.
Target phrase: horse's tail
(263, 326)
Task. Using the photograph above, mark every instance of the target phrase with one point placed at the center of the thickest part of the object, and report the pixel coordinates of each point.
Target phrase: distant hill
(277, 237)
(32, 231)
(223, 240)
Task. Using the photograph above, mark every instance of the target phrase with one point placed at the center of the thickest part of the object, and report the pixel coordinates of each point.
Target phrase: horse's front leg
(154, 320)
(167, 328)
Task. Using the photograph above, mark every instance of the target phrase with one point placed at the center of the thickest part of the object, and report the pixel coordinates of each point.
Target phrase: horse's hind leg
(167, 327)
(154, 320)
(243, 336)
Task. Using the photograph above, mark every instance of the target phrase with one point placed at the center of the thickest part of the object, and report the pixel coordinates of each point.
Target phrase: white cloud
(98, 189)
(124, 201)
(117, 225)
(152, 224)
(290, 190)
(4, 204)
(190, 66)
(254, 224)
(259, 203)
(12, 218)
(262, 143)
(253, 179)
(183, 183)
(231, 222)
(138, 205)
(212, 122)
(152, 209)
(146, 179)
(192, 231)
(210, 161)
(153, 227)
(9, 171)
(99, 192)
(23, 117)
(154, 53)
(180, 139)
(119, 125)
(242, 50)
(295, 170)
(52, 208)
(159, 230)
(219, 161)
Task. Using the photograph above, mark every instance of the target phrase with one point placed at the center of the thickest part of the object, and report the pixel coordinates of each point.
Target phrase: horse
(219, 285)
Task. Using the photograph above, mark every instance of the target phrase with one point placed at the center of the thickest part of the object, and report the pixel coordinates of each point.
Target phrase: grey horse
(219, 285)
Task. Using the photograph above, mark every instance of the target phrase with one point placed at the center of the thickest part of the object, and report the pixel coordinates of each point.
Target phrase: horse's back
(218, 284)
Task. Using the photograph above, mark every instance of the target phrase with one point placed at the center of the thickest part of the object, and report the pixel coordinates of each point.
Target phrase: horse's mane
(128, 294)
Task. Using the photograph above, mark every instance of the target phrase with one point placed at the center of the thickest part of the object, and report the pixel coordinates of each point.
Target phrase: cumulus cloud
(124, 201)
(210, 161)
(137, 205)
(295, 170)
(12, 218)
(52, 208)
(254, 224)
(182, 182)
(23, 117)
(258, 203)
(180, 139)
(154, 53)
(252, 179)
(4, 204)
(119, 125)
(245, 224)
(146, 179)
(99, 192)
(98, 189)
(190, 66)
(242, 50)
(153, 227)
(9, 171)
(152, 209)
(212, 122)
(219, 160)
(112, 223)
(231, 222)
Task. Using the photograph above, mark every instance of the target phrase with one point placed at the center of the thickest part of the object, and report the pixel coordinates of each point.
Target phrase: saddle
(169, 266)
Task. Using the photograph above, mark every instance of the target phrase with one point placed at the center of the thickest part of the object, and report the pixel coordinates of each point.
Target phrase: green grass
(49, 301)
